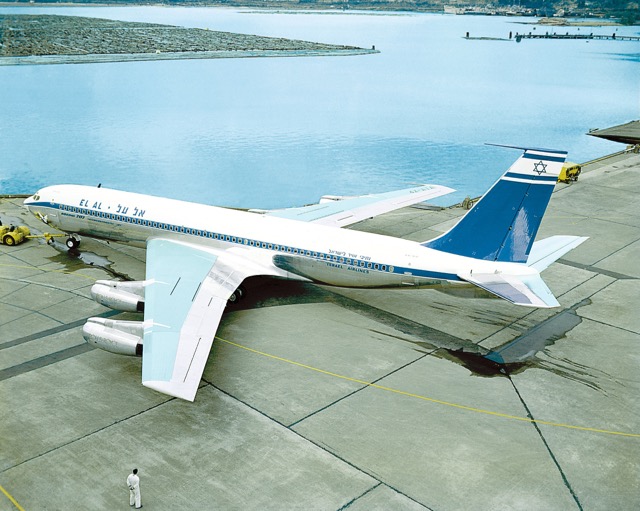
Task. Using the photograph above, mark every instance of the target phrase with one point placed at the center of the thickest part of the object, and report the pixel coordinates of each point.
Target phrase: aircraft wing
(186, 292)
(340, 212)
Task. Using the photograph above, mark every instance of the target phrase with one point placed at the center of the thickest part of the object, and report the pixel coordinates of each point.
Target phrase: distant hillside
(627, 12)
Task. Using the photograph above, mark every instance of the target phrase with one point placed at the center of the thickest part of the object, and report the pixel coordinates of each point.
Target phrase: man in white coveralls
(133, 482)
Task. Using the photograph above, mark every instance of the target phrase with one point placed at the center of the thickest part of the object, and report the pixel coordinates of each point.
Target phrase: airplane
(199, 255)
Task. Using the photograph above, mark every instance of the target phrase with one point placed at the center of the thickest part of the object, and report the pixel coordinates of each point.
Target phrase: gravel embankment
(64, 36)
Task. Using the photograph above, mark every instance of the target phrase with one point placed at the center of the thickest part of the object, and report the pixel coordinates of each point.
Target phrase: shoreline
(595, 162)
(141, 57)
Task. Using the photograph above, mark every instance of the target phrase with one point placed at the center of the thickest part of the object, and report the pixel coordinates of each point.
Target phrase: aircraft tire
(72, 242)
(237, 295)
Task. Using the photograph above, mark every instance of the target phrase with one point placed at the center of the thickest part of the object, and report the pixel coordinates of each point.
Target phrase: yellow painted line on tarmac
(430, 399)
(13, 501)
(65, 272)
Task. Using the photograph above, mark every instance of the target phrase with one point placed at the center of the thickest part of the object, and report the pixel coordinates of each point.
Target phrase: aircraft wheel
(72, 242)
(237, 295)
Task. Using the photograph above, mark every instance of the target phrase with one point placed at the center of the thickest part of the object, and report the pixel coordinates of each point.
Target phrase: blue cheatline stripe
(429, 274)
(544, 157)
(534, 177)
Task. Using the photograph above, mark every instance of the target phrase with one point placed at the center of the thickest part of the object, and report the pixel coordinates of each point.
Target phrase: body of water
(274, 132)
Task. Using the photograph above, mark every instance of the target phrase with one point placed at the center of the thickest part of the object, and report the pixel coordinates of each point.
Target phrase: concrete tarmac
(318, 398)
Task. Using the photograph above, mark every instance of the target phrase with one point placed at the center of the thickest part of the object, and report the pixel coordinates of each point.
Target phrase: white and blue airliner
(199, 255)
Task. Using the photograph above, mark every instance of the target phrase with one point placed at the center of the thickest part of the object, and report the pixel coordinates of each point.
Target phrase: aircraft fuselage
(286, 248)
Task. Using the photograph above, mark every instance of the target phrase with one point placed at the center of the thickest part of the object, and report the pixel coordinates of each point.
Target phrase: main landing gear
(237, 295)
(73, 241)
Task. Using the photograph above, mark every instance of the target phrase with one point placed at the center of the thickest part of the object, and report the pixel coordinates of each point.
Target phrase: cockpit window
(36, 196)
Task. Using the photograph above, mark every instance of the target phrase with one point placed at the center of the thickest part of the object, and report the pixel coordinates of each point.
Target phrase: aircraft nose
(31, 200)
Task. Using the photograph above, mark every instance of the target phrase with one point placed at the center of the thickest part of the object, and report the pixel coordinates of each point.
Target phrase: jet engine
(117, 336)
(122, 296)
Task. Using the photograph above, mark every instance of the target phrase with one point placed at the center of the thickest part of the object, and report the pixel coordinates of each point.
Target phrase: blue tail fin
(503, 224)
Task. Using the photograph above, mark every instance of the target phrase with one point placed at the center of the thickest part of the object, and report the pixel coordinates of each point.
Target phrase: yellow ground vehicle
(570, 172)
(12, 235)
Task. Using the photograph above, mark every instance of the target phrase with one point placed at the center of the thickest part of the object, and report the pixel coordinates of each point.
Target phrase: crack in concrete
(565, 480)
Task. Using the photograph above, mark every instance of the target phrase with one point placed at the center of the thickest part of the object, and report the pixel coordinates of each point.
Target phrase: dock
(554, 35)
(322, 398)
(596, 37)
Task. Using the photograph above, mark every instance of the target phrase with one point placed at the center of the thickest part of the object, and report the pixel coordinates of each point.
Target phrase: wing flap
(529, 290)
(188, 291)
(343, 212)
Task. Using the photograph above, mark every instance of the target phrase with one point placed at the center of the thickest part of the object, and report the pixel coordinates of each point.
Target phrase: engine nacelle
(122, 296)
(116, 336)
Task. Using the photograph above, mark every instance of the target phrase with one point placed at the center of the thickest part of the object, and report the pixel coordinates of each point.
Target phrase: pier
(519, 37)
(547, 35)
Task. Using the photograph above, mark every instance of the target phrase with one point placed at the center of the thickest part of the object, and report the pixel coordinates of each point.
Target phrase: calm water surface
(283, 131)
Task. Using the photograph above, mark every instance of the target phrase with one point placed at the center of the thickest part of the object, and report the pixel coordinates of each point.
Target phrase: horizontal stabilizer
(527, 290)
(347, 211)
(548, 250)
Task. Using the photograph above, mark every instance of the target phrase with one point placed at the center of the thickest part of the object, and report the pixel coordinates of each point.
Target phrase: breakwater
(51, 39)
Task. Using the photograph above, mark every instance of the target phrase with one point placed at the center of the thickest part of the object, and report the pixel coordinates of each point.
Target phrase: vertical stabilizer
(503, 224)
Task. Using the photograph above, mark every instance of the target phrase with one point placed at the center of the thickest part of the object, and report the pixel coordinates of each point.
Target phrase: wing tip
(174, 389)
